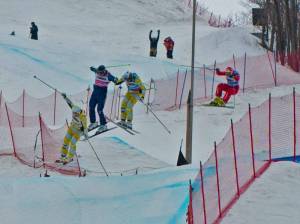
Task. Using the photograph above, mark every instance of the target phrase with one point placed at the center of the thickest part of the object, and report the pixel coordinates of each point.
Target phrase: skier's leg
(67, 140)
(72, 150)
(92, 105)
(100, 106)
(229, 92)
(220, 88)
(124, 106)
(131, 102)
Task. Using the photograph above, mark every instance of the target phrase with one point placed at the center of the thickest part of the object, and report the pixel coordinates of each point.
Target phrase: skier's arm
(142, 88)
(158, 33)
(93, 69)
(150, 35)
(112, 78)
(84, 129)
(221, 73)
(236, 77)
(120, 81)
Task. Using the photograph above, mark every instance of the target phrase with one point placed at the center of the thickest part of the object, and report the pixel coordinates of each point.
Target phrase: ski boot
(92, 126)
(122, 123)
(129, 125)
(220, 102)
(101, 128)
(62, 159)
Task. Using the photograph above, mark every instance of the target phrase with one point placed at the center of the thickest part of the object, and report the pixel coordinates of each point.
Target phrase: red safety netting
(51, 142)
(267, 132)
(26, 136)
(23, 130)
(5, 136)
(255, 72)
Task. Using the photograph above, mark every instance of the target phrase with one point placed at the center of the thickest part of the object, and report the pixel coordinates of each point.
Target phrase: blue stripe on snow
(122, 142)
(287, 158)
(23, 52)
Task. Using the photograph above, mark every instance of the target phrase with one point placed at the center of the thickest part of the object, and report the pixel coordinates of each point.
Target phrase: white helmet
(76, 109)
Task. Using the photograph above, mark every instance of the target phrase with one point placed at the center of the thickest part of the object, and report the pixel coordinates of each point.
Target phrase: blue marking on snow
(207, 172)
(181, 212)
(122, 142)
(287, 158)
(24, 52)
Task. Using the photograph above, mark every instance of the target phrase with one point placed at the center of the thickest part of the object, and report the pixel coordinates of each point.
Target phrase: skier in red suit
(230, 88)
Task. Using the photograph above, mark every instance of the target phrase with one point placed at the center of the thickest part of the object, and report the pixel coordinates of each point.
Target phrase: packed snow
(74, 35)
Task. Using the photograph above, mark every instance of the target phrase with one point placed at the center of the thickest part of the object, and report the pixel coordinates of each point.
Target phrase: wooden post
(189, 131)
(11, 132)
(270, 129)
(43, 149)
(203, 194)
(251, 142)
(235, 160)
(213, 82)
(182, 90)
(218, 180)
(245, 64)
(295, 132)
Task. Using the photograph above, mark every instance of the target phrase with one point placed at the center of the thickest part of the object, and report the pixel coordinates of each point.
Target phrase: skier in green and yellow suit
(78, 127)
(136, 91)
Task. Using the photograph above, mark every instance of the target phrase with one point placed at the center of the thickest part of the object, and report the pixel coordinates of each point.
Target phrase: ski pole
(210, 69)
(97, 157)
(51, 87)
(114, 66)
(149, 108)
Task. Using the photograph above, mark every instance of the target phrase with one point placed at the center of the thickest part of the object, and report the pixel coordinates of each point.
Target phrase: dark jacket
(34, 31)
(153, 40)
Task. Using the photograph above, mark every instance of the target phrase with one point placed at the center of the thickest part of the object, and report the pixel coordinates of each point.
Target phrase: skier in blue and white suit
(102, 80)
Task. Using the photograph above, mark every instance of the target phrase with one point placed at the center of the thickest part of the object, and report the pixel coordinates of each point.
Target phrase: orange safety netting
(265, 133)
(255, 72)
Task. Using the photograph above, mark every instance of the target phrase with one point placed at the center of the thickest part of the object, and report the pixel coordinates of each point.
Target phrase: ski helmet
(76, 109)
(229, 70)
(101, 68)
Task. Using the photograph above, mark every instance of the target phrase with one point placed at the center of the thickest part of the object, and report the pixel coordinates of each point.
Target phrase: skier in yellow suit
(136, 91)
(78, 127)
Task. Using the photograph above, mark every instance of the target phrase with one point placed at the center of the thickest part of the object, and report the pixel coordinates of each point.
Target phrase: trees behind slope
(283, 19)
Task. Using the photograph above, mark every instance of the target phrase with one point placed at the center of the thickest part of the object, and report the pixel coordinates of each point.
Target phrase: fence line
(264, 134)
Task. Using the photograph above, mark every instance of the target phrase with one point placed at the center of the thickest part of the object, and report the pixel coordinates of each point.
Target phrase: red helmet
(229, 70)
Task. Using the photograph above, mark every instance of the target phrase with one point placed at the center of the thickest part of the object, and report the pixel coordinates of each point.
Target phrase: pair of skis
(224, 106)
(129, 131)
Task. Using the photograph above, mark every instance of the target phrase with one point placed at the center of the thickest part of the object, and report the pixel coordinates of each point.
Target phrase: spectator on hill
(153, 43)
(169, 44)
(34, 31)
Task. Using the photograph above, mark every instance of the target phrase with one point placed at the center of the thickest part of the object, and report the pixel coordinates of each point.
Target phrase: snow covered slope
(74, 35)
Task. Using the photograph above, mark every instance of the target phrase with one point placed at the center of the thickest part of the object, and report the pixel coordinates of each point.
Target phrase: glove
(92, 69)
(217, 70)
(116, 81)
(64, 95)
(142, 97)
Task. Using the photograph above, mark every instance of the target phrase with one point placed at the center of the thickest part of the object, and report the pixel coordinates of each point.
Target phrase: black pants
(98, 99)
(153, 52)
(170, 54)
